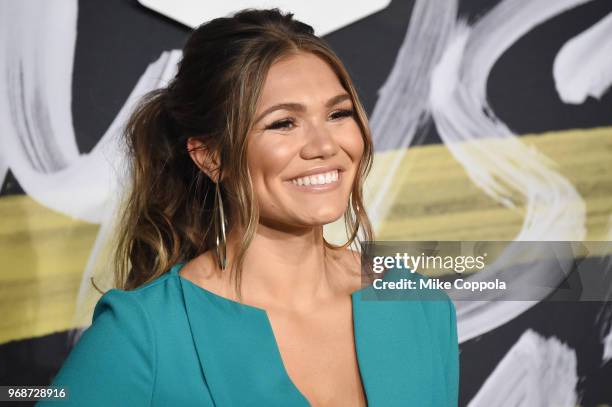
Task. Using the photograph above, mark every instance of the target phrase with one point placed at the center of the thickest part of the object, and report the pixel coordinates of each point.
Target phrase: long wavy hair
(169, 213)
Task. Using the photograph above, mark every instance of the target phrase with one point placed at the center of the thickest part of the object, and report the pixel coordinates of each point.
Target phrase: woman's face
(305, 146)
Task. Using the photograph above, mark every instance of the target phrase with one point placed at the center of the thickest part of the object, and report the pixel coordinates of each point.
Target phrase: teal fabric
(173, 343)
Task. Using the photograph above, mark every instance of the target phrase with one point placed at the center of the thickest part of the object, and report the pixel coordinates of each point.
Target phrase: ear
(205, 159)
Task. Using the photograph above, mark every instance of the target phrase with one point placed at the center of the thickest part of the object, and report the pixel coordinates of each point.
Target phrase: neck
(287, 269)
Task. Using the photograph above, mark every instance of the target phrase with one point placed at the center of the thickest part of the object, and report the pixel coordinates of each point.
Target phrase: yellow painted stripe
(435, 200)
(44, 253)
(43, 256)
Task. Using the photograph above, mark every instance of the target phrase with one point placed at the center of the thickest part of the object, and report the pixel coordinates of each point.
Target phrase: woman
(228, 294)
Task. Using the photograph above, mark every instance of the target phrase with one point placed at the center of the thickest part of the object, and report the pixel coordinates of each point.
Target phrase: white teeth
(319, 179)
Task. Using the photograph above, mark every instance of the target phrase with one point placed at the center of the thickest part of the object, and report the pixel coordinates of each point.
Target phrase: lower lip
(318, 188)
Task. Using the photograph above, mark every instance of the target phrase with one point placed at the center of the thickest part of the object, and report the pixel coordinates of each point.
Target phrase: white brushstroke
(3, 169)
(493, 156)
(36, 133)
(531, 270)
(157, 74)
(604, 315)
(323, 15)
(402, 102)
(36, 82)
(464, 120)
(583, 66)
(607, 347)
(35, 87)
(535, 372)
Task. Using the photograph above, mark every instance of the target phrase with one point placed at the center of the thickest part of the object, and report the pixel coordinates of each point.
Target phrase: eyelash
(281, 124)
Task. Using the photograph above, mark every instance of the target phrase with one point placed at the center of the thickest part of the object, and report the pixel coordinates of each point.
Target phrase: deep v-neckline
(270, 331)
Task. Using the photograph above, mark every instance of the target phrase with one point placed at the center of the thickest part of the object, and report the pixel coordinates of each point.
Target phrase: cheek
(353, 143)
(267, 160)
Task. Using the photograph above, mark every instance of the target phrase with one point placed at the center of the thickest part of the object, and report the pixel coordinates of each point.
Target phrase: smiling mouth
(322, 180)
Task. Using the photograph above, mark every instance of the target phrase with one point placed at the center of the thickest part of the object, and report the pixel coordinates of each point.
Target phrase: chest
(249, 357)
(318, 354)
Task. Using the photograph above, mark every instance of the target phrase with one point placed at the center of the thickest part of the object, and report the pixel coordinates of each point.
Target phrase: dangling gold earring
(220, 230)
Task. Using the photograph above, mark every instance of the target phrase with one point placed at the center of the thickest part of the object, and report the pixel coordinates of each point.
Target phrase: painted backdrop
(492, 120)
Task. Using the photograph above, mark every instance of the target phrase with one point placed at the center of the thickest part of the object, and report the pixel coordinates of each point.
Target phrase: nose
(320, 143)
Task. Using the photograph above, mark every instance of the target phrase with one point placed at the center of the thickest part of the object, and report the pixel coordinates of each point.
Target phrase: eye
(284, 124)
(339, 114)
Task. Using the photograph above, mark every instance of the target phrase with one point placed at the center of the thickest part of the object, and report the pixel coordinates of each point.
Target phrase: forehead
(302, 77)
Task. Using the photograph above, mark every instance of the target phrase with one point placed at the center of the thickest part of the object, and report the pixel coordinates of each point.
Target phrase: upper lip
(318, 170)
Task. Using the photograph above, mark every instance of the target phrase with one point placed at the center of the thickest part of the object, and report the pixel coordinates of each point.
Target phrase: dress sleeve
(452, 358)
(113, 363)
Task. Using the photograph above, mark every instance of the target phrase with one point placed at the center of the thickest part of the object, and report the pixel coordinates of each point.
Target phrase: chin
(325, 218)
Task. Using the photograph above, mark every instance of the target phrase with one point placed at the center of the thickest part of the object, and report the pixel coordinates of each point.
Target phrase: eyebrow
(301, 108)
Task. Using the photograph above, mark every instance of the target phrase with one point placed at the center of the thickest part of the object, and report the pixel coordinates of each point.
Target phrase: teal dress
(172, 343)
